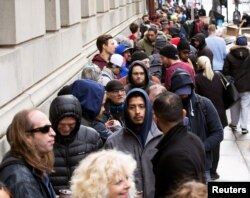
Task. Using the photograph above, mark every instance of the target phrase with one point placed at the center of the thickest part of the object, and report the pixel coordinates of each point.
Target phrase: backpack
(198, 26)
(236, 17)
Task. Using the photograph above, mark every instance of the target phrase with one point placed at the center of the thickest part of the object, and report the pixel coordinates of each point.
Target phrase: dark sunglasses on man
(44, 129)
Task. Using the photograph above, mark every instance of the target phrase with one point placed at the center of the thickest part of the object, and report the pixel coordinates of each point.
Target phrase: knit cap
(114, 85)
(241, 40)
(169, 51)
(161, 41)
(183, 45)
(138, 56)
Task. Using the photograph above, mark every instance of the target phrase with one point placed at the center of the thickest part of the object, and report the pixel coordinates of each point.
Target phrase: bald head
(211, 29)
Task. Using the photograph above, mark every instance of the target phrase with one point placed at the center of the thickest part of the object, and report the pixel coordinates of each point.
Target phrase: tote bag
(230, 93)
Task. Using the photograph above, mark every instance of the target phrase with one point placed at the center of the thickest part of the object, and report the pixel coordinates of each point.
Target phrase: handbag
(230, 93)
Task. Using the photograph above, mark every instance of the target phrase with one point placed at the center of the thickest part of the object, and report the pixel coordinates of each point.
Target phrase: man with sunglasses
(26, 167)
(113, 69)
(73, 141)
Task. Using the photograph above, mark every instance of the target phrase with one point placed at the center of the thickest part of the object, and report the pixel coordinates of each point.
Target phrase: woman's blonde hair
(204, 63)
(97, 170)
(190, 189)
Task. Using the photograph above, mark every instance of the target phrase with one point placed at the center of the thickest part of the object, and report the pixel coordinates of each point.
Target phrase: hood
(143, 130)
(98, 60)
(155, 59)
(201, 38)
(138, 63)
(240, 52)
(65, 106)
(90, 94)
(180, 78)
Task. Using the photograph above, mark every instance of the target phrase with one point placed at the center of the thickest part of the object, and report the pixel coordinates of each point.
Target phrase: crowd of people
(145, 120)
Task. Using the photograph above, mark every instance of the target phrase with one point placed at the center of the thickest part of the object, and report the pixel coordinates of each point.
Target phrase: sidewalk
(234, 164)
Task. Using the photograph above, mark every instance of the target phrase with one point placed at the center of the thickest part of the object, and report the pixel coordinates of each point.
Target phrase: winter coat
(98, 60)
(180, 155)
(203, 50)
(233, 66)
(70, 150)
(173, 67)
(146, 45)
(131, 84)
(203, 118)
(204, 121)
(107, 75)
(113, 111)
(140, 142)
(214, 91)
(23, 180)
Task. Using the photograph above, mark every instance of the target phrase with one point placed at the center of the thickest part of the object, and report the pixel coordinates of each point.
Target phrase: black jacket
(180, 157)
(70, 150)
(203, 49)
(203, 118)
(22, 179)
(233, 66)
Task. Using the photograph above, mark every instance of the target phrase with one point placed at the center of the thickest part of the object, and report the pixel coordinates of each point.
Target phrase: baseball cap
(117, 60)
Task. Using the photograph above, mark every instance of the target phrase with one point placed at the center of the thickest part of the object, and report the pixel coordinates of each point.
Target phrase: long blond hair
(204, 63)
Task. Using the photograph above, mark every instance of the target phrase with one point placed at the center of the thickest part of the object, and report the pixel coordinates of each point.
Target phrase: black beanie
(169, 51)
(183, 45)
(138, 56)
(114, 85)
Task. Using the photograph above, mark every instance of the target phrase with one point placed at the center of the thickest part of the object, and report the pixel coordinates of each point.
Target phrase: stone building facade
(45, 43)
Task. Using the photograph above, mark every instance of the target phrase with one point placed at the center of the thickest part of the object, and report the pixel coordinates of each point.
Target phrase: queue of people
(145, 119)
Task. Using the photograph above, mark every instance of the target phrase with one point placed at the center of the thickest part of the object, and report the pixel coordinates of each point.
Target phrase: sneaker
(214, 176)
(233, 127)
(244, 131)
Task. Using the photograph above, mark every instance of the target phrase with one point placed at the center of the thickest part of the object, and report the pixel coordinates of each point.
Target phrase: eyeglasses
(43, 129)
(118, 91)
(138, 74)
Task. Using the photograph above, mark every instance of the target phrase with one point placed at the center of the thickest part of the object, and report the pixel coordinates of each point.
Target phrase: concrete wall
(45, 43)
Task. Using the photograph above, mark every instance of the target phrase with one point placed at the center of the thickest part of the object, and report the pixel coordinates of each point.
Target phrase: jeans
(239, 111)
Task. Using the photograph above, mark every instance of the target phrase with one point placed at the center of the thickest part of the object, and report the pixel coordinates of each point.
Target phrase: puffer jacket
(141, 143)
(233, 66)
(70, 150)
(23, 180)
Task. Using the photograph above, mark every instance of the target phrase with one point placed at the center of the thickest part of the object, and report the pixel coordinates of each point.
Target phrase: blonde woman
(191, 189)
(104, 174)
(208, 84)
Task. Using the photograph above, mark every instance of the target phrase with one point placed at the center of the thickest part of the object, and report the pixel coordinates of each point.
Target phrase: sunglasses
(44, 129)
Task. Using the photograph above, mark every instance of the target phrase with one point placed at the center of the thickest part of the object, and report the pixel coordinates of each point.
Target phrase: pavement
(234, 164)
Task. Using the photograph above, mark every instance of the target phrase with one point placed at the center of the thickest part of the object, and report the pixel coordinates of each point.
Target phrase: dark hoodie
(142, 131)
(65, 106)
(203, 50)
(70, 150)
(90, 94)
(140, 141)
(203, 118)
(98, 60)
(131, 83)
